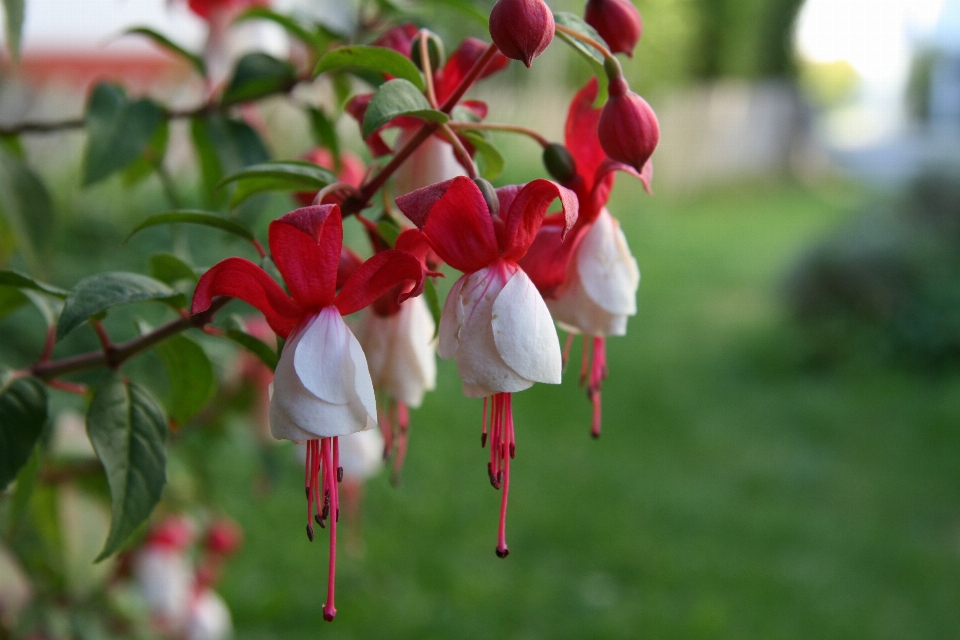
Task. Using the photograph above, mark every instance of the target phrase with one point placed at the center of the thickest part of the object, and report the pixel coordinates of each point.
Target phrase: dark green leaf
(492, 165)
(312, 39)
(27, 207)
(324, 133)
(190, 373)
(388, 229)
(235, 331)
(288, 175)
(26, 483)
(11, 278)
(23, 412)
(128, 431)
(192, 216)
(11, 142)
(398, 98)
(48, 306)
(152, 157)
(162, 40)
(168, 268)
(100, 292)
(210, 168)
(15, 13)
(590, 54)
(433, 301)
(10, 300)
(258, 75)
(378, 59)
(119, 131)
(224, 146)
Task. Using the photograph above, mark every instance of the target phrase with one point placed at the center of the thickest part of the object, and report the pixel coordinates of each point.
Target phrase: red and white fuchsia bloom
(322, 387)
(589, 280)
(494, 324)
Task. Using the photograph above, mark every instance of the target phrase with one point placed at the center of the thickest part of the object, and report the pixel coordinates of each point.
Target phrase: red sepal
(240, 278)
(527, 208)
(305, 245)
(580, 134)
(547, 258)
(378, 275)
(399, 38)
(349, 262)
(455, 220)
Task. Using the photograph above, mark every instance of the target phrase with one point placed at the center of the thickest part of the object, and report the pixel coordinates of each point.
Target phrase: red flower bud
(617, 21)
(628, 127)
(223, 537)
(521, 29)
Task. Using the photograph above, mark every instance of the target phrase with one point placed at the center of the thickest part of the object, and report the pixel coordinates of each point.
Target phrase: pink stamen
(598, 372)
(502, 550)
(566, 350)
(483, 434)
(386, 430)
(329, 610)
(403, 419)
(308, 488)
(585, 362)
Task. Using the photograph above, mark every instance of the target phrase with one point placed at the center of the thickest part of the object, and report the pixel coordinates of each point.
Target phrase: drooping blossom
(617, 21)
(351, 171)
(208, 617)
(401, 353)
(322, 386)
(434, 160)
(164, 574)
(521, 29)
(495, 324)
(590, 279)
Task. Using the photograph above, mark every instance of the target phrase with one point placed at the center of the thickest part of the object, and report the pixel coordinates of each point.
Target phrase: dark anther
(310, 532)
(483, 439)
(502, 553)
(339, 474)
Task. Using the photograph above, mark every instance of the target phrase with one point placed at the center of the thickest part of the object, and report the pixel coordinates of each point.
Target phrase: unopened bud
(521, 29)
(489, 195)
(434, 50)
(617, 21)
(628, 128)
(559, 162)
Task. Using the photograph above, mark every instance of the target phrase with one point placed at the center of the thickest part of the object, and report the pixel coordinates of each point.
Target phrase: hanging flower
(494, 324)
(163, 572)
(321, 387)
(590, 279)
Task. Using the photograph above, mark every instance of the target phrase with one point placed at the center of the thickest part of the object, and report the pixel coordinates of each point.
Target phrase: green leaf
(193, 216)
(190, 373)
(168, 268)
(119, 131)
(100, 292)
(27, 207)
(224, 146)
(128, 431)
(23, 412)
(258, 75)
(590, 54)
(10, 300)
(388, 229)
(433, 301)
(12, 278)
(286, 175)
(26, 483)
(377, 59)
(316, 41)
(493, 162)
(151, 159)
(324, 133)
(15, 10)
(195, 61)
(398, 98)
(235, 331)
(48, 306)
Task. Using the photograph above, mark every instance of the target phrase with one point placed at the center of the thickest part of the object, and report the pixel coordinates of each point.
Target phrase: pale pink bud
(617, 21)
(628, 127)
(521, 29)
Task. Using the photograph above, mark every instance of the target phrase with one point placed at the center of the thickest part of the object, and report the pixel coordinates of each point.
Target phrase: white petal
(361, 454)
(451, 321)
(422, 331)
(524, 332)
(362, 384)
(322, 358)
(575, 312)
(606, 267)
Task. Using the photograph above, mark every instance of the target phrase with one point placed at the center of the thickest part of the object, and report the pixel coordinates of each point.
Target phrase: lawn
(734, 493)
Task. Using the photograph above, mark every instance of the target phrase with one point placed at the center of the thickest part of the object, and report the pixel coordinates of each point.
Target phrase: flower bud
(559, 162)
(489, 195)
(628, 127)
(434, 50)
(521, 29)
(617, 21)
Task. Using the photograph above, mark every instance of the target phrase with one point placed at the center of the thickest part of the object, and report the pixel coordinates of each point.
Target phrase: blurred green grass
(734, 494)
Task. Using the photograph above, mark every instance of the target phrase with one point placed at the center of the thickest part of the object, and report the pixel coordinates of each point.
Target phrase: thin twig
(427, 68)
(492, 126)
(576, 35)
(463, 156)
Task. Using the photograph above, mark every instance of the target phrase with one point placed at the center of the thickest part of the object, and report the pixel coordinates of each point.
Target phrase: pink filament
(502, 449)
(403, 419)
(331, 461)
(598, 372)
(566, 350)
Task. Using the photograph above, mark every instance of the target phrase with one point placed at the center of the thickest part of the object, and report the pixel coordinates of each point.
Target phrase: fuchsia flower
(434, 160)
(219, 14)
(617, 21)
(494, 324)
(322, 386)
(590, 279)
(521, 29)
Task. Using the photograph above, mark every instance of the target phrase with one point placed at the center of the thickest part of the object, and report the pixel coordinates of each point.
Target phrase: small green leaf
(128, 431)
(193, 216)
(15, 10)
(10, 300)
(27, 206)
(398, 98)
(11, 278)
(235, 331)
(195, 61)
(151, 159)
(316, 41)
(493, 162)
(100, 292)
(118, 130)
(258, 75)
(433, 301)
(168, 268)
(378, 59)
(23, 412)
(190, 373)
(287, 175)
(590, 54)
(388, 229)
